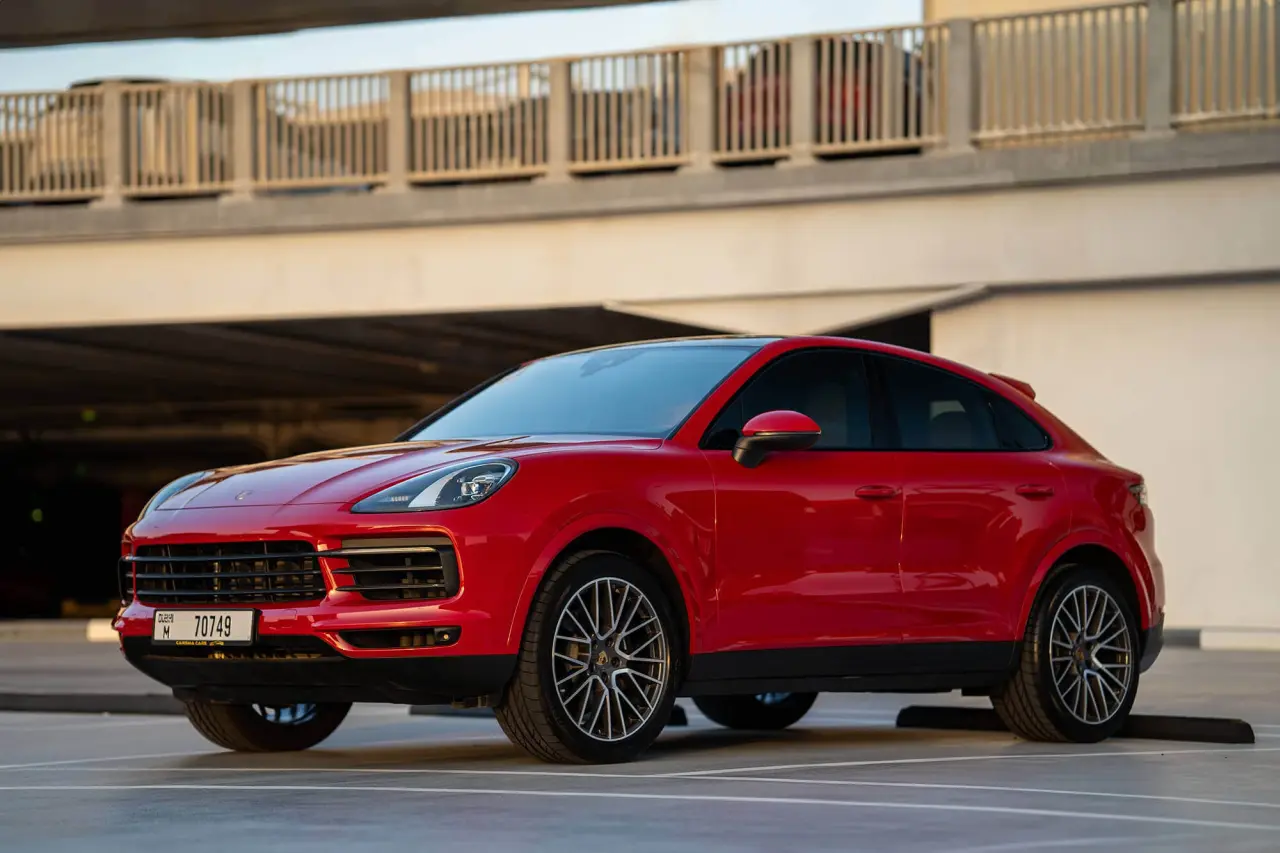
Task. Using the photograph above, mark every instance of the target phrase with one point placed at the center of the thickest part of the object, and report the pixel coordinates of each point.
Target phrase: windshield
(642, 391)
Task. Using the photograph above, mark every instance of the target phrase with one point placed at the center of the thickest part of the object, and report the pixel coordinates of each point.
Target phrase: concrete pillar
(559, 122)
(1160, 66)
(399, 112)
(701, 109)
(113, 145)
(243, 93)
(961, 86)
(804, 88)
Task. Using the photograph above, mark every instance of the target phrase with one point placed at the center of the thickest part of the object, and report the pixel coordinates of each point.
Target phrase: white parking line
(942, 786)
(1052, 843)
(649, 777)
(692, 798)
(1023, 756)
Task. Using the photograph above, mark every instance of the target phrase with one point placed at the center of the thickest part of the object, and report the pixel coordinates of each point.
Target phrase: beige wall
(1180, 384)
(941, 10)
(1112, 231)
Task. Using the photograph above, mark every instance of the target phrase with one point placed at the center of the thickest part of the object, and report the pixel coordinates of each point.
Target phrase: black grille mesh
(228, 573)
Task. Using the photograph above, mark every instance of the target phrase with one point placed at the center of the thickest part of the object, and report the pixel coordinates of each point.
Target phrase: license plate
(204, 627)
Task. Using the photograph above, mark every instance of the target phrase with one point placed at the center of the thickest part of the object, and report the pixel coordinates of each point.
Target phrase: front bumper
(310, 650)
(298, 669)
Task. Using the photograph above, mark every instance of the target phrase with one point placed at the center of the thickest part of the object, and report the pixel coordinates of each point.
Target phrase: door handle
(876, 493)
(1034, 490)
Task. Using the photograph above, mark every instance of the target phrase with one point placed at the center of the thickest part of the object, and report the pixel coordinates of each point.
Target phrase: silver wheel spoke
(597, 642)
(643, 624)
(568, 611)
(646, 644)
(595, 617)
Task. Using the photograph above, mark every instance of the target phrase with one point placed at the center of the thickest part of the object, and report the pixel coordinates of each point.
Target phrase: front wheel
(266, 728)
(761, 712)
(1078, 674)
(596, 667)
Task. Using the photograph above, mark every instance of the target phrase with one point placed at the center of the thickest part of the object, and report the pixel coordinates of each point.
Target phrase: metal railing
(321, 131)
(1019, 79)
(753, 101)
(627, 111)
(177, 139)
(1227, 61)
(51, 145)
(1062, 73)
(475, 123)
(879, 89)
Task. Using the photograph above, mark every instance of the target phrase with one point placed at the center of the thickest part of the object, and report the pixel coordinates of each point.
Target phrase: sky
(446, 42)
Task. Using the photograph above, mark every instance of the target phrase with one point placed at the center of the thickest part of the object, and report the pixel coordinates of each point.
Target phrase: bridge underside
(36, 23)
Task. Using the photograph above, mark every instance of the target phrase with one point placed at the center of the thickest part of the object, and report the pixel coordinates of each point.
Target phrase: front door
(807, 542)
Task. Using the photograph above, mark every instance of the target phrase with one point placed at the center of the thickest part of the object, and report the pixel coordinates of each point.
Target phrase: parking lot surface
(844, 779)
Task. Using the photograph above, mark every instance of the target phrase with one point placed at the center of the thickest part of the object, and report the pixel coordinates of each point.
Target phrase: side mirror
(773, 431)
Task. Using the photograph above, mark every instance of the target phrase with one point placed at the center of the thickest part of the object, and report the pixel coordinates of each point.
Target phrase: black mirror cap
(750, 450)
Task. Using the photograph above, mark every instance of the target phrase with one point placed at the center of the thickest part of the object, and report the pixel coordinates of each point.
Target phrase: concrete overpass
(1124, 262)
(39, 23)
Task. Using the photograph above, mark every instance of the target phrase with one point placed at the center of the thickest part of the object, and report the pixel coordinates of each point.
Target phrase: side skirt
(898, 667)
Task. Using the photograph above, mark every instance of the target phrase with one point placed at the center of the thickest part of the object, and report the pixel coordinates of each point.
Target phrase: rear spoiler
(1018, 384)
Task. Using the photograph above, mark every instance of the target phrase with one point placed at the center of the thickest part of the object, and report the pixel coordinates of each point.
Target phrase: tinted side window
(1016, 430)
(936, 410)
(829, 386)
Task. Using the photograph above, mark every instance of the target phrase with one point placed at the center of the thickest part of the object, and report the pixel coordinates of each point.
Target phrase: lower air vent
(401, 638)
(419, 569)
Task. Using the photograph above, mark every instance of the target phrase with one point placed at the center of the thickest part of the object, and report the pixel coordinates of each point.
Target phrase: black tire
(244, 728)
(531, 710)
(1032, 705)
(762, 712)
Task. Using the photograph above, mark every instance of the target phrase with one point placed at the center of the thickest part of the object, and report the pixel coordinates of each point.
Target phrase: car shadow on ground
(486, 752)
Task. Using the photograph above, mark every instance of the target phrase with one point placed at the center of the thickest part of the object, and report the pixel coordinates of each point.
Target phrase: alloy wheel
(610, 659)
(1091, 654)
(287, 715)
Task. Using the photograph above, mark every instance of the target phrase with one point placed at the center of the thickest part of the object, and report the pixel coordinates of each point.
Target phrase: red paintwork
(939, 546)
(782, 421)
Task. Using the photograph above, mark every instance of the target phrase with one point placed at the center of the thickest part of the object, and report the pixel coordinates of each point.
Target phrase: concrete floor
(844, 780)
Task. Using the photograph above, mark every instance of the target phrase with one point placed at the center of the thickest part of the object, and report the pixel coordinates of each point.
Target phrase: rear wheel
(762, 712)
(596, 666)
(1078, 674)
(266, 728)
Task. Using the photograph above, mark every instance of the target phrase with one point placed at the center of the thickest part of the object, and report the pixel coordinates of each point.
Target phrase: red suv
(746, 521)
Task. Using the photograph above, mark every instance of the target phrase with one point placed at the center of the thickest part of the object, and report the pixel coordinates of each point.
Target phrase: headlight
(170, 490)
(445, 488)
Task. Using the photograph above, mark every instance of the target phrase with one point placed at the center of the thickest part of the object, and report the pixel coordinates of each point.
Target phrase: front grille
(228, 573)
(399, 569)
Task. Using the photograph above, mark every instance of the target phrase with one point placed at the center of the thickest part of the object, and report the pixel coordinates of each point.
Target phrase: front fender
(676, 556)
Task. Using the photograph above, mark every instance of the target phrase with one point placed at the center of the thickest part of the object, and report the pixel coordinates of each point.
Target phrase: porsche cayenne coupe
(585, 538)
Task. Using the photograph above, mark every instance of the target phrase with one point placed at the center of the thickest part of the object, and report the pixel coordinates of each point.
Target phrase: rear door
(982, 502)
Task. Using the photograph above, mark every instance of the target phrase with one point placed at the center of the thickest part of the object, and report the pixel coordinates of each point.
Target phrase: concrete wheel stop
(91, 703)
(1138, 726)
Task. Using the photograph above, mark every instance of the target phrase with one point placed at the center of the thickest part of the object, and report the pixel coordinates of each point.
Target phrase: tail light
(1139, 491)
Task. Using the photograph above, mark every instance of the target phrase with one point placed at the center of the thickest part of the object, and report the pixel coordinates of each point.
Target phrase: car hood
(338, 476)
